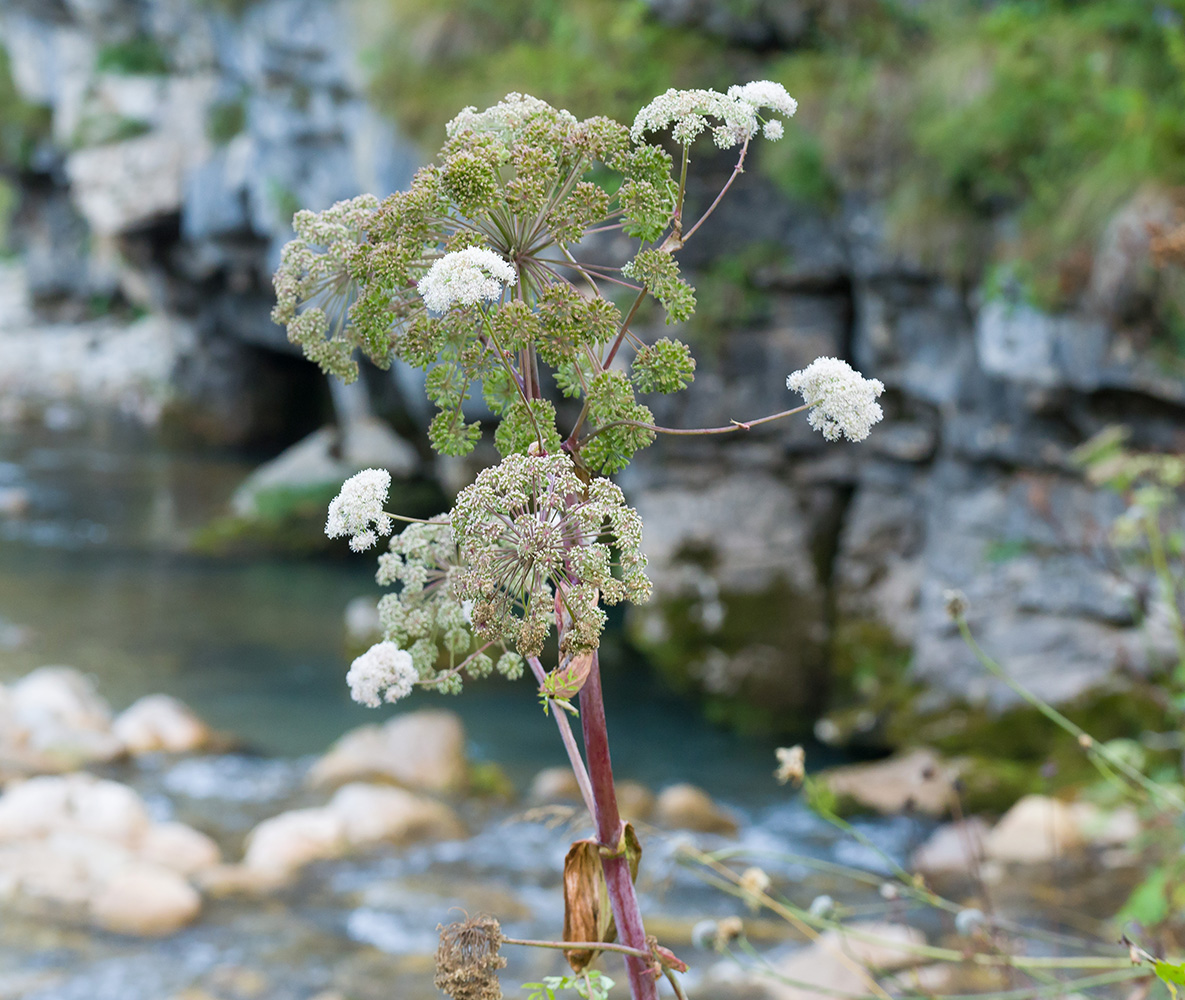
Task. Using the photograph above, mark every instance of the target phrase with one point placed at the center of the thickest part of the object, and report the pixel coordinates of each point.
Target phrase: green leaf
(1149, 903)
(1171, 975)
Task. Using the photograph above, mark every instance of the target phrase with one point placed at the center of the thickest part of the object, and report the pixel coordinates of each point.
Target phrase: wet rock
(145, 900)
(687, 807)
(554, 784)
(737, 614)
(327, 458)
(14, 501)
(916, 781)
(358, 816)
(635, 801)
(179, 848)
(76, 803)
(842, 962)
(557, 784)
(422, 750)
(372, 814)
(86, 849)
(1037, 829)
(284, 844)
(1122, 278)
(53, 719)
(952, 849)
(159, 722)
(105, 362)
(1106, 827)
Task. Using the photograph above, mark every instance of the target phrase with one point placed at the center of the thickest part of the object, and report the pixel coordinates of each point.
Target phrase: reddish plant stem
(609, 833)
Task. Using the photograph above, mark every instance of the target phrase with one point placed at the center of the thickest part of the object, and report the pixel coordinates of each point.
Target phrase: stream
(94, 574)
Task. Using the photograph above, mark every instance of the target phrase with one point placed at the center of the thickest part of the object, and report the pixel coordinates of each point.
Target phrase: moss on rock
(752, 659)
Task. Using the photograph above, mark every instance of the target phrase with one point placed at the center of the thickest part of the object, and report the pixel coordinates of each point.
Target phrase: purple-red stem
(609, 833)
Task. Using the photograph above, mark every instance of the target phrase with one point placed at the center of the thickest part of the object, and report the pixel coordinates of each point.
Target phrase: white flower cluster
(357, 510)
(842, 400)
(465, 277)
(687, 112)
(503, 119)
(765, 94)
(384, 668)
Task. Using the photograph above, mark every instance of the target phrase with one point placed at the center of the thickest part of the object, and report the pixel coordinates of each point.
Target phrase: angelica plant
(477, 275)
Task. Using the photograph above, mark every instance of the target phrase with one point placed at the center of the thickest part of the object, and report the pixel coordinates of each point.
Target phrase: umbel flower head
(736, 114)
(383, 672)
(357, 510)
(842, 401)
(427, 616)
(534, 538)
(465, 277)
(317, 271)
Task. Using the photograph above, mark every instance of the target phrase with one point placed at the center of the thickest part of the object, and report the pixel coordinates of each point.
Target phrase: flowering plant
(475, 275)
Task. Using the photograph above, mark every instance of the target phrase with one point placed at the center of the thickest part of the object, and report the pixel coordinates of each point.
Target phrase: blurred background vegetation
(959, 113)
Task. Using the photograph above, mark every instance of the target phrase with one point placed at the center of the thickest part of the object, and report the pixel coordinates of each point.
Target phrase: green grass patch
(593, 57)
(225, 120)
(22, 125)
(135, 57)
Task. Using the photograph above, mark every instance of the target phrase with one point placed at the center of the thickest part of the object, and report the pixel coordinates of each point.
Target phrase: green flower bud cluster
(427, 616)
(659, 272)
(535, 538)
(517, 181)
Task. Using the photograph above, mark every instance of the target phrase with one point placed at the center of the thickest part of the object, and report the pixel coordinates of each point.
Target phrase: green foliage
(590, 56)
(9, 198)
(99, 129)
(589, 985)
(225, 120)
(1052, 110)
(135, 57)
(22, 125)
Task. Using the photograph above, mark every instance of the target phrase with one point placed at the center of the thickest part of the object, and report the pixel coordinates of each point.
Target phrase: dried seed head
(956, 603)
(467, 959)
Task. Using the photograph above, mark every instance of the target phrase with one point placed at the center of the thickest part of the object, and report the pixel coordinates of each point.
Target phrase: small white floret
(686, 113)
(465, 277)
(504, 118)
(383, 672)
(357, 510)
(842, 400)
(765, 94)
(773, 130)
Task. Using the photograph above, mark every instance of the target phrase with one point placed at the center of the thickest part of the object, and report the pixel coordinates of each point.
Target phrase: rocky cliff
(793, 577)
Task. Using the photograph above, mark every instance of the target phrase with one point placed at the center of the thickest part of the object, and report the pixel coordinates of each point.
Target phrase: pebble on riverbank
(358, 816)
(422, 750)
(54, 720)
(87, 849)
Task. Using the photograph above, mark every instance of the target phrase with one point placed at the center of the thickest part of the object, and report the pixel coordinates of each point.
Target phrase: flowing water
(94, 574)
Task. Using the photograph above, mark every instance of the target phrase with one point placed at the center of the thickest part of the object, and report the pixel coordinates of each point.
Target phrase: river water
(95, 574)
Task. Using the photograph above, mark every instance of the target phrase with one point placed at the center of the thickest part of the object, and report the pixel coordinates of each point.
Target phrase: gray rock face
(770, 548)
(257, 116)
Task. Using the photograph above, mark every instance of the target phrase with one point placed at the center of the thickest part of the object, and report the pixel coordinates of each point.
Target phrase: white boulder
(158, 722)
(1036, 829)
(87, 849)
(420, 750)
